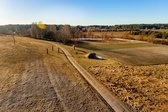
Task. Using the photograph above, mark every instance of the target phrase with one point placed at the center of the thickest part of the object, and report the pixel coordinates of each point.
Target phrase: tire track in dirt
(75, 92)
(33, 92)
(28, 87)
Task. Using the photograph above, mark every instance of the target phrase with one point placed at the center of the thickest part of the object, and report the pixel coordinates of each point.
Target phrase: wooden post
(13, 36)
(47, 51)
(52, 48)
(58, 49)
(74, 47)
(14, 41)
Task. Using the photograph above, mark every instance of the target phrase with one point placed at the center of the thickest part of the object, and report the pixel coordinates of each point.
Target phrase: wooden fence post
(13, 36)
(52, 48)
(74, 47)
(47, 51)
(58, 49)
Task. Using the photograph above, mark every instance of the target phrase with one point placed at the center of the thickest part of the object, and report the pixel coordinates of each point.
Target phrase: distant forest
(64, 33)
(25, 29)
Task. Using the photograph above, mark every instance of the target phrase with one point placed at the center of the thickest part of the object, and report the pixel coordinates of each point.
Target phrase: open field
(31, 80)
(153, 36)
(132, 53)
(143, 87)
(161, 30)
(107, 34)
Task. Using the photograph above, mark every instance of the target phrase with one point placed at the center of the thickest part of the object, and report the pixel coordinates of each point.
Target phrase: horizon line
(83, 24)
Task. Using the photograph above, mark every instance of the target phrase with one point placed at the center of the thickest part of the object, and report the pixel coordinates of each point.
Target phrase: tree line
(131, 27)
(64, 33)
(156, 34)
(141, 26)
(60, 33)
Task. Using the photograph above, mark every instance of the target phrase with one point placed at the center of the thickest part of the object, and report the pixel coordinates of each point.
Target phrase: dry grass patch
(145, 88)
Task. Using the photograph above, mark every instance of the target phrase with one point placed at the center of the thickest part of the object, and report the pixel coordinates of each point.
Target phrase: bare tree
(52, 28)
(65, 33)
(75, 32)
(90, 33)
(37, 30)
(34, 31)
(50, 32)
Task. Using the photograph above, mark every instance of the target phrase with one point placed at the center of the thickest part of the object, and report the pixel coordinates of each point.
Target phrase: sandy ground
(31, 80)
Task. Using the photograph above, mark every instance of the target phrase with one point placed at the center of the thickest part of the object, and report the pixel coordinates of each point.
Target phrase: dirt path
(31, 80)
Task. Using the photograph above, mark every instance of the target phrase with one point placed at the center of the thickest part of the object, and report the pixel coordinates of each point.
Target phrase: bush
(136, 32)
(147, 33)
(164, 42)
(158, 34)
(49, 35)
(165, 35)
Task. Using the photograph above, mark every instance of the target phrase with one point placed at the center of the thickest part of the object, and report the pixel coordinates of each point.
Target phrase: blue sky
(83, 12)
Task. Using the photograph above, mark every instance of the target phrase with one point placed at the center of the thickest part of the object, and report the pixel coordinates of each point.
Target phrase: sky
(83, 12)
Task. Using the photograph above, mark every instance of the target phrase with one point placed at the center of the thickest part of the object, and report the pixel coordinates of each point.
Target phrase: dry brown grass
(127, 35)
(107, 34)
(145, 88)
(24, 83)
(32, 80)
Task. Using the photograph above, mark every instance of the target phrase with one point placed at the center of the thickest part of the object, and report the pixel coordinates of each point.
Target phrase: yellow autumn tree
(41, 25)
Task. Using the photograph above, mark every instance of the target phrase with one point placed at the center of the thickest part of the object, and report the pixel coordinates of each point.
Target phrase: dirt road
(31, 80)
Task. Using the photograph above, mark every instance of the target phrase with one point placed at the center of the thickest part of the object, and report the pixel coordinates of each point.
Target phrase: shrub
(164, 42)
(49, 35)
(158, 34)
(136, 32)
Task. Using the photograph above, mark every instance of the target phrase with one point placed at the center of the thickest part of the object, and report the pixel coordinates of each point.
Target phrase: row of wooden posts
(47, 50)
(14, 41)
(58, 50)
